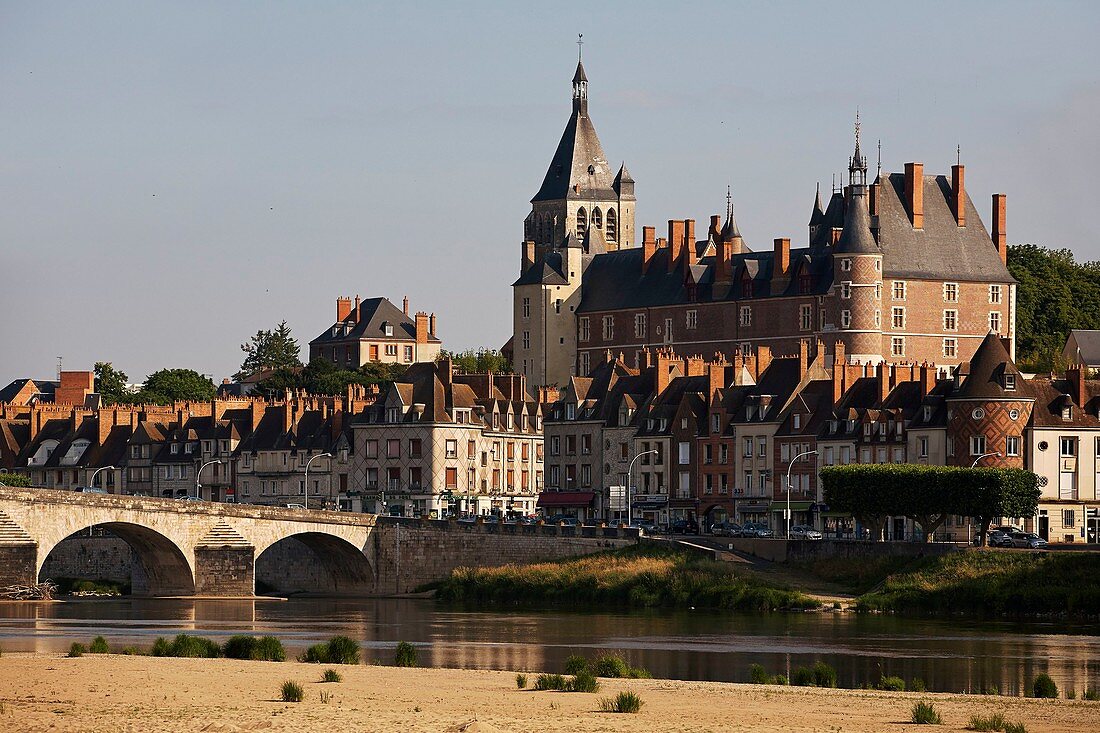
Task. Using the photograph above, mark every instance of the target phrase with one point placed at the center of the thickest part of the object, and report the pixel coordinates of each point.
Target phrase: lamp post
(311, 460)
(198, 474)
(629, 473)
(789, 467)
(91, 481)
(984, 455)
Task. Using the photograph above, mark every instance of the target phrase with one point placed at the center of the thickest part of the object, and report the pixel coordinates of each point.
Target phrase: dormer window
(797, 418)
(927, 413)
(393, 415)
(1067, 412)
(570, 411)
(1010, 381)
(388, 328)
(832, 426)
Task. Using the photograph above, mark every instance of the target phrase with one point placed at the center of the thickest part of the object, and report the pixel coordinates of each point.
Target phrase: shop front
(650, 508)
(800, 514)
(752, 511)
(573, 504)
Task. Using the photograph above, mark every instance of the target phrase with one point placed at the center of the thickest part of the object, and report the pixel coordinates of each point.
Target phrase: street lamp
(311, 460)
(629, 473)
(984, 455)
(198, 474)
(91, 481)
(789, 467)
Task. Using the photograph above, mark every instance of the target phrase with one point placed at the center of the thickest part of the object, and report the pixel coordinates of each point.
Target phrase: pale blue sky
(175, 176)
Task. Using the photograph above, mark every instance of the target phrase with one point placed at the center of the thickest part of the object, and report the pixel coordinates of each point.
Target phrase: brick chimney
(696, 366)
(717, 378)
(1075, 375)
(723, 266)
(914, 193)
(781, 265)
(691, 255)
(834, 235)
(882, 373)
(343, 309)
(649, 247)
(763, 361)
(675, 243)
(714, 233)
(405, 304)
(431, 324)
(838, 371)
(803, 357)
(528, 258)
(927, 379)
(421, 327)
(1000, 239)
(958, 194)
(106, 422)
(74, 388)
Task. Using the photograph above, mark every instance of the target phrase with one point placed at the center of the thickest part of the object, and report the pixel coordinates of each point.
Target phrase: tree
(479, 361)
(168, 385)
(275, 349)
(14, 479)
(111, 383)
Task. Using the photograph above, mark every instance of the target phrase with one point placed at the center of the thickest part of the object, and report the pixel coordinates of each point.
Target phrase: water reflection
(947, 656)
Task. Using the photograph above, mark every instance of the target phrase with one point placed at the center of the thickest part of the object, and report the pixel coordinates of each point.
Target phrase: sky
(176, 176)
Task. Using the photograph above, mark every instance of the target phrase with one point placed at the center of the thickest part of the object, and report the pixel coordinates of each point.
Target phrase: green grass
(292, 692)
(1092, 694)
(995, 722)
(98, 646)
(924, 713)
(854, 577)
(186, 646)
(757, 675)
(606, 665)
(65, 586)
(331, 675)
(405, 655)
(337, 650)
(575, 663)
(637, 576)
(624, 702)
(993, 583)
(917, 685)
(263, 649)
(521, 681)
(583, 682)
(77, 649)
(1044, 686)
(891, 684)
(550, 682)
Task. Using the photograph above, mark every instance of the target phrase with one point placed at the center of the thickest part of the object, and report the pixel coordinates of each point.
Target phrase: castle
(902, 269)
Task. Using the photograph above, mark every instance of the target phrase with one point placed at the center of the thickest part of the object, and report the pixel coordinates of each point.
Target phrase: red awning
(566, 498)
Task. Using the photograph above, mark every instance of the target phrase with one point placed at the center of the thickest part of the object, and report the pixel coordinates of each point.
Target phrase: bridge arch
(314, 562)
(160, 566)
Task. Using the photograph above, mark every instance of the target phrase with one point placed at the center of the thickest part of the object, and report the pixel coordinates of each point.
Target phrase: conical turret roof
(856, 237)
(988, 367)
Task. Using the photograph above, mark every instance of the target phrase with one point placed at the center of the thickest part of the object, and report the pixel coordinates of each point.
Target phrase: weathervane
(580, 42)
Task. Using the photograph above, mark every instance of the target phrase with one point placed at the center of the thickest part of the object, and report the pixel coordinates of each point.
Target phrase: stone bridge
(182, 548)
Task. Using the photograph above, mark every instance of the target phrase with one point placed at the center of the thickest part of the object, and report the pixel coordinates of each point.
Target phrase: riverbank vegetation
(990, 583)
(638, 576)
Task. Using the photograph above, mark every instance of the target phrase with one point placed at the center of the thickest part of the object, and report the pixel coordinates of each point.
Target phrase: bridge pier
(225, 571)
(18, 564)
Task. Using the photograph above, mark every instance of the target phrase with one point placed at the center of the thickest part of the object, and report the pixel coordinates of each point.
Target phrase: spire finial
(878, 174)
(580, 42)
(729, 202)
(958, 155)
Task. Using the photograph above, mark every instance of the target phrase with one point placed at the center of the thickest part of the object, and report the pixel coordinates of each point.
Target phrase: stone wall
(777, 550)
(17, 564)
(224, 571)
(411, 553)
(290, 566)
(90, 558)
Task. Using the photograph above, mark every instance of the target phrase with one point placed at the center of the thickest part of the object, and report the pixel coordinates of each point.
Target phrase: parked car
(804, 532)
(756, 529)
(684, 526)
(726, 529)
(999, 538)
(295, 506)
(1026, 539)
(90, 490)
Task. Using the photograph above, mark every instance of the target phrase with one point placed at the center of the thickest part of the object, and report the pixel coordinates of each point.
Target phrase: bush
(268, 649)
(892, 684)
(521, 681)
(584, 682)
(337, 650)
(757, 675)
(924, 713)
(575, 663)
(186, 646)
(1015, 728)
(292, 692)
(331, 675)
(995, 722)
(1071, 694)
(991, 690)
(1044, 686)
(824, 675)
(1091, 693)
(405, 655)
(550, 682)
(624, 702)
(238, 647)
(639, 673)
(77, 649)
(917, 685)
(161, 647)
(802, 677)
(611, 665)
(131, 651)
(779, 679)
(98, 646)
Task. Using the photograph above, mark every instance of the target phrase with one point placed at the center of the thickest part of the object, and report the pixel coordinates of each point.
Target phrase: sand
(147, 695)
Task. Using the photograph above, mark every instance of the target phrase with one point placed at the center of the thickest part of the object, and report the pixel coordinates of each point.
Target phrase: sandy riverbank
(148, 695)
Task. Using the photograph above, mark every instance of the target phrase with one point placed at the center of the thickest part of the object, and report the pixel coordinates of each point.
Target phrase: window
(586, 444)
(951, 348)
(747, 453)
(370, 449)
(805, 317)
(393, 448)
(584, 328)
(784, 452)
(612, 229)
(897, 346)
(899, 290)
(995, 321)
(1010, 383)
(746, 288)
(582, 222)
(762, 447)
(846, 289)
(526, 307)
(977, 445)
(846, 265)
(746, 315)
(408, 353)
(597, 218)
(692, 319)
(388, 329)
(452, 478)
(685, 453)
(526, 339)
(1068, 517)
(805, 283)
(608, 328)
(951, 292)
(586, 363)
(950, 320)
(796, 421)
(391, 349)
(639, 325)
(995, 294)
(846, 319)
(897, 317)
(878, 318)
(415, 448)
(1012, 445)
(1067, 447)
(555, 445)
(922, 446)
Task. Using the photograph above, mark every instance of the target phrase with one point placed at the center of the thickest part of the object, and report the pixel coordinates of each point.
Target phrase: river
(949, 656)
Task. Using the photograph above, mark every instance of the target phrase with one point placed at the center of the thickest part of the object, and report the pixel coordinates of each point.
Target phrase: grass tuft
(583, 682)
(1044, 686)
(575, 663)
(185, 646)
(994, 722)
(521, 681)
(624, 702)
(98, 646)
(337, 650)
(263, 649)
(924, 713)
(77, 649)
(917, 685)
(331, 675)
(550, 682)
(1091, 693)
(891, 684)
(405, 655)
(757, 675)
(292, 692)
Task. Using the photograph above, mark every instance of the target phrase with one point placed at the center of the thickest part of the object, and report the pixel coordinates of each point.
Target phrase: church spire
(580, 81)
(857, 164)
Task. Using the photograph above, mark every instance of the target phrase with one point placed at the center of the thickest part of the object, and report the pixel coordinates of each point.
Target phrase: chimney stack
(715, 231)
(781, 265)
(343, 309)
(526, 261)
(355, 312)
(914, 193)
(1000, 239)
(882, 372)
(421, 327)
(763, 360)
(649, 247)
(838, 371)
(1075, 375)
(431, 325)
(958, 194)
(675, 243)
(405, 305)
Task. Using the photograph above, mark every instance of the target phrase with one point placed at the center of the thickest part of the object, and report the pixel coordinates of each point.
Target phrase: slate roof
(987, 368)
(857, 237)
(1088, 344)
(374, 313)
(45, 388)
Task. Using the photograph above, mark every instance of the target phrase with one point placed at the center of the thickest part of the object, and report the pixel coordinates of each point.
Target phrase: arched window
(597, 218)
(612, 230)
(582, 222)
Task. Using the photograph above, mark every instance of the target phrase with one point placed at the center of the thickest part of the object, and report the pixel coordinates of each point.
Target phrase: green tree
(275, 349)
(111, 383)
(479, 361)
(168, 385)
